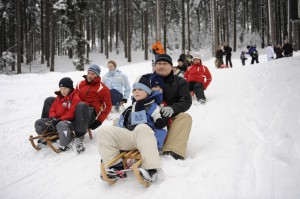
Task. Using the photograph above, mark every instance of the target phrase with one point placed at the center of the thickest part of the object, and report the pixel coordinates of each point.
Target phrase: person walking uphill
(177, 96)
(135, 130)
(118, 84)
(198, 78)
(94, 108)
(61, 115)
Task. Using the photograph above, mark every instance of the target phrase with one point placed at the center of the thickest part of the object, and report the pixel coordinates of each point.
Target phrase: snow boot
(115, 172)
(149, 175)
(79, 145)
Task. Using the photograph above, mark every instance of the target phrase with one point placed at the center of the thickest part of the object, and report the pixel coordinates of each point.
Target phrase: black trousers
(198, 89)
(84, 115)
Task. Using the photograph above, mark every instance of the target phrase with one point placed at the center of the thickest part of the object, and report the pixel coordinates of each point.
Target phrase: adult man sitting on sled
(94, 108)
(177, 96)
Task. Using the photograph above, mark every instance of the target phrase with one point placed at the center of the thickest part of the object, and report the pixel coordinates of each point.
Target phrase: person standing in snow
(94, 108)
(61, 115)
(243, 58)
(219, 57)
(253, 54)
(118, 84)
(135, 129)
(278, 51)
(198, 78)
(270, 52)
(177, 96)
(287, 49)
(227, 53)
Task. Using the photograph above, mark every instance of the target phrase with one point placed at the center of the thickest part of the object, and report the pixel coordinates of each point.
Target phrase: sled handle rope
(126, 155)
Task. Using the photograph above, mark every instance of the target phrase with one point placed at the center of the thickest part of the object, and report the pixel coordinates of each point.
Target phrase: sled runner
(48, 138)
(127, 157)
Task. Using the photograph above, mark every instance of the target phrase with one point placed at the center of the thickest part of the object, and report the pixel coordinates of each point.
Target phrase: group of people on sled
(156, 122)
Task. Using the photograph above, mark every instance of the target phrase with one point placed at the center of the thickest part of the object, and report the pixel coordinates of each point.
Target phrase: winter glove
(167, 111)
(95, 124)
(161, 123)
(54, 121)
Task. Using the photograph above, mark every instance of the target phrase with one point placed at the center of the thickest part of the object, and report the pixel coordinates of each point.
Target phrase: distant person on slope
(287, 49)
(198, 78)
(270, 52)
(118, 84)
(253, 54)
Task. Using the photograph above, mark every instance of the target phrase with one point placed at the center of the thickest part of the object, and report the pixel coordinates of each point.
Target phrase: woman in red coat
(198, 78)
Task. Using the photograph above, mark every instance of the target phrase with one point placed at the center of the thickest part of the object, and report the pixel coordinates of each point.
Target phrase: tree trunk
(234, 25)
(125, 28)
(146, 30)
(18, 33)
(117, 27)
(158, 31)
(106, 28)
(271, 21)
(129, 29)
(183, 25)
(188, 23)
(53, 28)
(88, 36)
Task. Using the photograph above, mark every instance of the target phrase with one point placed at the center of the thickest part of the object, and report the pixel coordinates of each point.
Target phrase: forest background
(40, 30)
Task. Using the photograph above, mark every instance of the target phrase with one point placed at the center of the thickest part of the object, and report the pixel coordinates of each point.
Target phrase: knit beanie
(156, 80)
(165, 58)
(142, 82)
(66, 82)
(95, 69)
(197, 56)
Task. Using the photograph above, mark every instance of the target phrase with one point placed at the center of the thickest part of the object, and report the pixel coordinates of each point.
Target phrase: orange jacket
(158, 48)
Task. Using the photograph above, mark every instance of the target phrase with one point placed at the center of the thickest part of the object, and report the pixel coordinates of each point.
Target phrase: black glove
(124, 101)
(161, 123)
(54, 121)
(95, 125)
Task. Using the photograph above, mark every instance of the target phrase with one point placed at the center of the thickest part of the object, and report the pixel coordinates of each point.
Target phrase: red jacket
(97, 95)
(64, 107)
(198, 73)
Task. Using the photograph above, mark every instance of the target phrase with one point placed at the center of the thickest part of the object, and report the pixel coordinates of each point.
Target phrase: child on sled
(134, 130)
(61, 113)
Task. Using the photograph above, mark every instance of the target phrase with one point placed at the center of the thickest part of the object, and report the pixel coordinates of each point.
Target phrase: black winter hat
(156, 80)
(66, 82)
(164, 57)
(143, 83)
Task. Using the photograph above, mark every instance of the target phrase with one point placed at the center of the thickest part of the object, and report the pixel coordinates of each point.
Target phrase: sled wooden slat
(137, 174)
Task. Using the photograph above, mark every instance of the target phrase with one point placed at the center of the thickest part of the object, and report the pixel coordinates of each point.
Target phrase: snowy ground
(244, 143)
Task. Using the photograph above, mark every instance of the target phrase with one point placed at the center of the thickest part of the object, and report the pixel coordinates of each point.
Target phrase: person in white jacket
(270, 52)
(118, 84)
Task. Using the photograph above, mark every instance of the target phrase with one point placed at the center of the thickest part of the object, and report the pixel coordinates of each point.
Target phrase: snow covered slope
(244, 143)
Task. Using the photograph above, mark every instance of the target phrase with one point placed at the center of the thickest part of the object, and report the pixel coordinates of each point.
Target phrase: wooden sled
(128, 155)
(47, 138)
